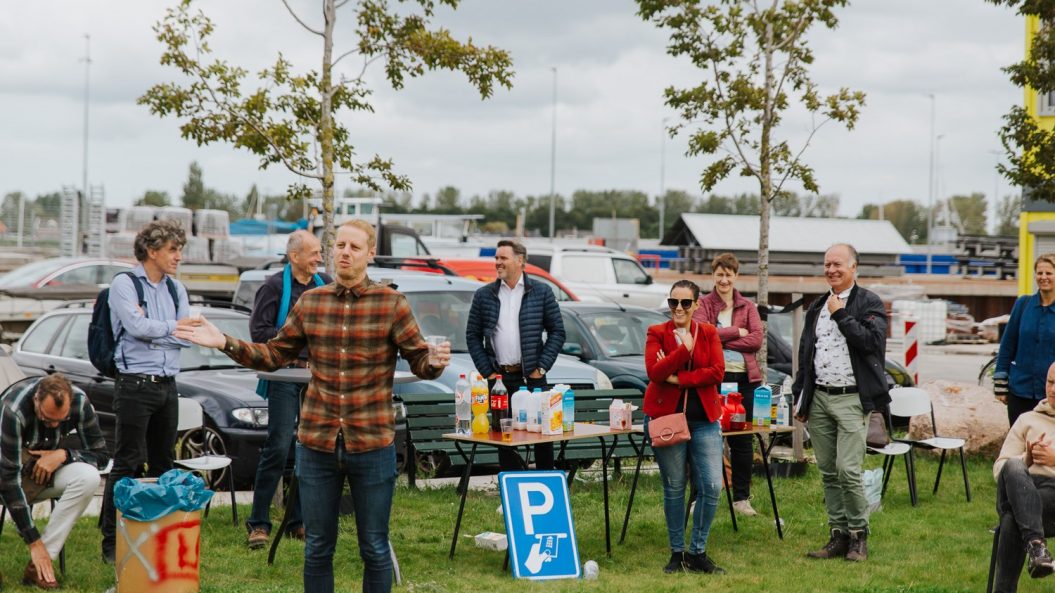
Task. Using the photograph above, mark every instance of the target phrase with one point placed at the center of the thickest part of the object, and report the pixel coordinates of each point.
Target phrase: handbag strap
(685, 391)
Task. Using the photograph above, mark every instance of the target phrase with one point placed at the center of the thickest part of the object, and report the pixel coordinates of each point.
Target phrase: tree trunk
(329, 12)
(766, 199)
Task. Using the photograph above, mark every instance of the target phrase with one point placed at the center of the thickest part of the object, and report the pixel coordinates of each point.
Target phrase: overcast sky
(611, 71)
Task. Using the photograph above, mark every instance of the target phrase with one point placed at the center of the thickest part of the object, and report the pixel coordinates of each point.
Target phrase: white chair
(897, 448)
(914, 401)
(191, 417)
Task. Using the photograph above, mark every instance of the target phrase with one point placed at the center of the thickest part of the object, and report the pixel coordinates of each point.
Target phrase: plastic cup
(590, 570)
(507, 430)
(434, 343)
(194, 312)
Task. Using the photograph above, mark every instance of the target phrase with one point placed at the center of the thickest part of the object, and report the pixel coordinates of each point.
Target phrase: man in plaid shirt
(40, 460)
(353, 330)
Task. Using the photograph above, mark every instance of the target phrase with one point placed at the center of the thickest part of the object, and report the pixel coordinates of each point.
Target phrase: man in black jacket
(840, 380)
(40, 460)
(504, 334)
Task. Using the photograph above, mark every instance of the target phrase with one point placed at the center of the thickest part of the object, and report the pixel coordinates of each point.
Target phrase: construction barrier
(910, 347)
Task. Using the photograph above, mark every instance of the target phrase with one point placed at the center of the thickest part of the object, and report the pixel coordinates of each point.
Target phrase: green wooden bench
(431, 415)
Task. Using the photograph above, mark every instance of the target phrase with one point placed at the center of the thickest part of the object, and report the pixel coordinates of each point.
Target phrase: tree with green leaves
(292, 118)
(1031, 148)
(907, 216)
(754, 61)
(194, 189)
(1008, 210)
(969, 214)
(153, 197)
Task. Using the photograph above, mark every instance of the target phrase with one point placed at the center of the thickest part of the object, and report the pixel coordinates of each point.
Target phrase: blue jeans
(372, 478)
(704, 453)
(283, 409)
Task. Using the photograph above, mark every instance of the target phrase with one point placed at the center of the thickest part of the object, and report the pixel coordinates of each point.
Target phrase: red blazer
(708, 368)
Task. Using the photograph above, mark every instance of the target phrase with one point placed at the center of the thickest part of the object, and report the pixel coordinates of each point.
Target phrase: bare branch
(340, 4)
(795, 161)
(729, 123)
(342, 56)
(298, 19)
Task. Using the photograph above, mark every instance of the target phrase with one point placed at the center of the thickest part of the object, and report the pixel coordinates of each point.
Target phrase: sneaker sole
(256, 545)
(1041, 571)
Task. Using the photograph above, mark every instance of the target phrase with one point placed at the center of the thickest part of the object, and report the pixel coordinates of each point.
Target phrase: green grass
(941, 546)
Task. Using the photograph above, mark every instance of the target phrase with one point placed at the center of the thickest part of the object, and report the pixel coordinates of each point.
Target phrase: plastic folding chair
(191, 417)
(896, 448)
(913, 401)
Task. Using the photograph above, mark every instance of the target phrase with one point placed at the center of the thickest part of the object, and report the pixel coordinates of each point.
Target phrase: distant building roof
(786, 234)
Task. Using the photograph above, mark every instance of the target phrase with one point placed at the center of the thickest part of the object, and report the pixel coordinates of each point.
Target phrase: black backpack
(101, 341)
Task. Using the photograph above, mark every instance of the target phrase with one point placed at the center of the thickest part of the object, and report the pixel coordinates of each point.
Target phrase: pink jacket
(745, 315)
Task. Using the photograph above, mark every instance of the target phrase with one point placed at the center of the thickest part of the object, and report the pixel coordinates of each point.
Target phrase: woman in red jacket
(740, 330)
(685, 364)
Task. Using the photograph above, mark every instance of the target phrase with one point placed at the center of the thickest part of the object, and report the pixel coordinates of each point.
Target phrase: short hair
(1048, 258)
(366, 227)
(695, 288)
(727, 261)
(156, 235)
(849, 248)
(517, 247)
(296, 240)
(55, 386)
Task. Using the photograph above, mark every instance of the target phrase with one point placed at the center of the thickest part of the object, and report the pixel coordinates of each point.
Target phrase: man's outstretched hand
(204, 334)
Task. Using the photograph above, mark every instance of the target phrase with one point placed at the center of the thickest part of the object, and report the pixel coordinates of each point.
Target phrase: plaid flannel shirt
(352, 336)
(21, 429)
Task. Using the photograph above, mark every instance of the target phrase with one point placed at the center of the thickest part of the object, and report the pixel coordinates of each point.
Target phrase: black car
(235, 416)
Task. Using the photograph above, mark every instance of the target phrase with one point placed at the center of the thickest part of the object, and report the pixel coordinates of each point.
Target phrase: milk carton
(552, 412)
(763, 414)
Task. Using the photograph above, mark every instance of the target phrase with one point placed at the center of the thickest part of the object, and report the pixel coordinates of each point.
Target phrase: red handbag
(671, 429)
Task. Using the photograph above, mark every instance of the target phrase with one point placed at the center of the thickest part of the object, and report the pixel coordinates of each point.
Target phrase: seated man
(40, 460)
(1025, 498)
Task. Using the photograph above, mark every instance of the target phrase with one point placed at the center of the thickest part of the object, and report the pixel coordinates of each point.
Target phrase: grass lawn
(940, 546)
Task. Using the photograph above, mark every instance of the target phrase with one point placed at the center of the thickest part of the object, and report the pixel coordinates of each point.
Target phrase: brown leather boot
(29, 577)
(858, 551)
(837, 546)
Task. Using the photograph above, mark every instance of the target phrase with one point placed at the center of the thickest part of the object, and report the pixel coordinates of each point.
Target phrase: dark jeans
(372, 479)
(1016, 406)
(741, 448)
(508, 460)
(1026, 505)
(283, 410)
(146, 415)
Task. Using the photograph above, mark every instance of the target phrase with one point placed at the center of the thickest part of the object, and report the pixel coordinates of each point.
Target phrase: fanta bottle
(480, 407)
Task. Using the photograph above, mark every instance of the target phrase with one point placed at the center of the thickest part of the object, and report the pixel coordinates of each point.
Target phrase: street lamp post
(553, 158)
(930, 189)
(662, 175)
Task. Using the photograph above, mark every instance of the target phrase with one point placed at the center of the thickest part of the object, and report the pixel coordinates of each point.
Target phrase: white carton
(490, 540)
(552, 413)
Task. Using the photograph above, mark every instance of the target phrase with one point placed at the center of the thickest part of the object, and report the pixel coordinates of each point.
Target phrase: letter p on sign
(531, 510)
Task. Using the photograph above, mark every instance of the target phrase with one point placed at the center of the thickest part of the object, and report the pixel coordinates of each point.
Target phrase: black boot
(1040, 561)
(676, 563)
(837, 546)
(702, 563)
(858, 551)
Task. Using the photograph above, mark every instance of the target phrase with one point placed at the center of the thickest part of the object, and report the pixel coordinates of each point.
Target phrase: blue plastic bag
(175, 490)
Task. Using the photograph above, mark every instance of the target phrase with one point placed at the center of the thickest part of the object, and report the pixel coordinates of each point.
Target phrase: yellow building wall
(1026, 243)
(1030, 99)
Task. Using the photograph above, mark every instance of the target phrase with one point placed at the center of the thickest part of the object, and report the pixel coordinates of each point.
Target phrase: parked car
(483, 270)
(599, 274)
(29, 291)
(611, 338)
(235, 416)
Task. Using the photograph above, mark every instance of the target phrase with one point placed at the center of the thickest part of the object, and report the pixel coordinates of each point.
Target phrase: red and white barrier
(910, 347)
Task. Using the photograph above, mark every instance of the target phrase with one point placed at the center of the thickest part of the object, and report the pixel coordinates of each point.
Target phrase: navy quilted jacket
(538, 312)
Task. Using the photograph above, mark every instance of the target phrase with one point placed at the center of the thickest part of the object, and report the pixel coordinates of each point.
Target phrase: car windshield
(781, 325)
(200, 356)
(622, 333)
(443, 314)
(30, 273)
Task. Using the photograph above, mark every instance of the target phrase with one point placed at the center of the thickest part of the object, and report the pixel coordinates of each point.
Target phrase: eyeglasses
(685, 303)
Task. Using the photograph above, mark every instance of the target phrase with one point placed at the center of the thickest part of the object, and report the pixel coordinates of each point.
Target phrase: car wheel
(198, 442)
(431, 465)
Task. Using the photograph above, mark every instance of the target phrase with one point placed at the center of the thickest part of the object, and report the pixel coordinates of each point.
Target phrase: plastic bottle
(479, 405)
(499, 404)
(763, 410)
(534, 411)
(519, 404)
(782, 411)
(569, 410)
(463, 414)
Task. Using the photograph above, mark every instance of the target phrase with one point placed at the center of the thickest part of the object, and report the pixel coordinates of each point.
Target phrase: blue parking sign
(539, 527)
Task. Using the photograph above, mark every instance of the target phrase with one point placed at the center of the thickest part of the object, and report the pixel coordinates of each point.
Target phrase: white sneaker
(743, 507)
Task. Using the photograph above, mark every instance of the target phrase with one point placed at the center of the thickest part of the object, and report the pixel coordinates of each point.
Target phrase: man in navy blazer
(505, 335)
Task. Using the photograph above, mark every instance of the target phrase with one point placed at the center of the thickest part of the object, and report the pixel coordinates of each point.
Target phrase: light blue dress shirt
(147, 346)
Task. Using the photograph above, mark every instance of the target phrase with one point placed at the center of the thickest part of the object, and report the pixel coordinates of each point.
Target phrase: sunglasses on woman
(686, 304)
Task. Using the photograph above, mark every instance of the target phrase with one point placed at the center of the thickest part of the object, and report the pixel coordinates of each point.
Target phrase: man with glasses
(840, 381)
(505, 335)
(51, 447)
